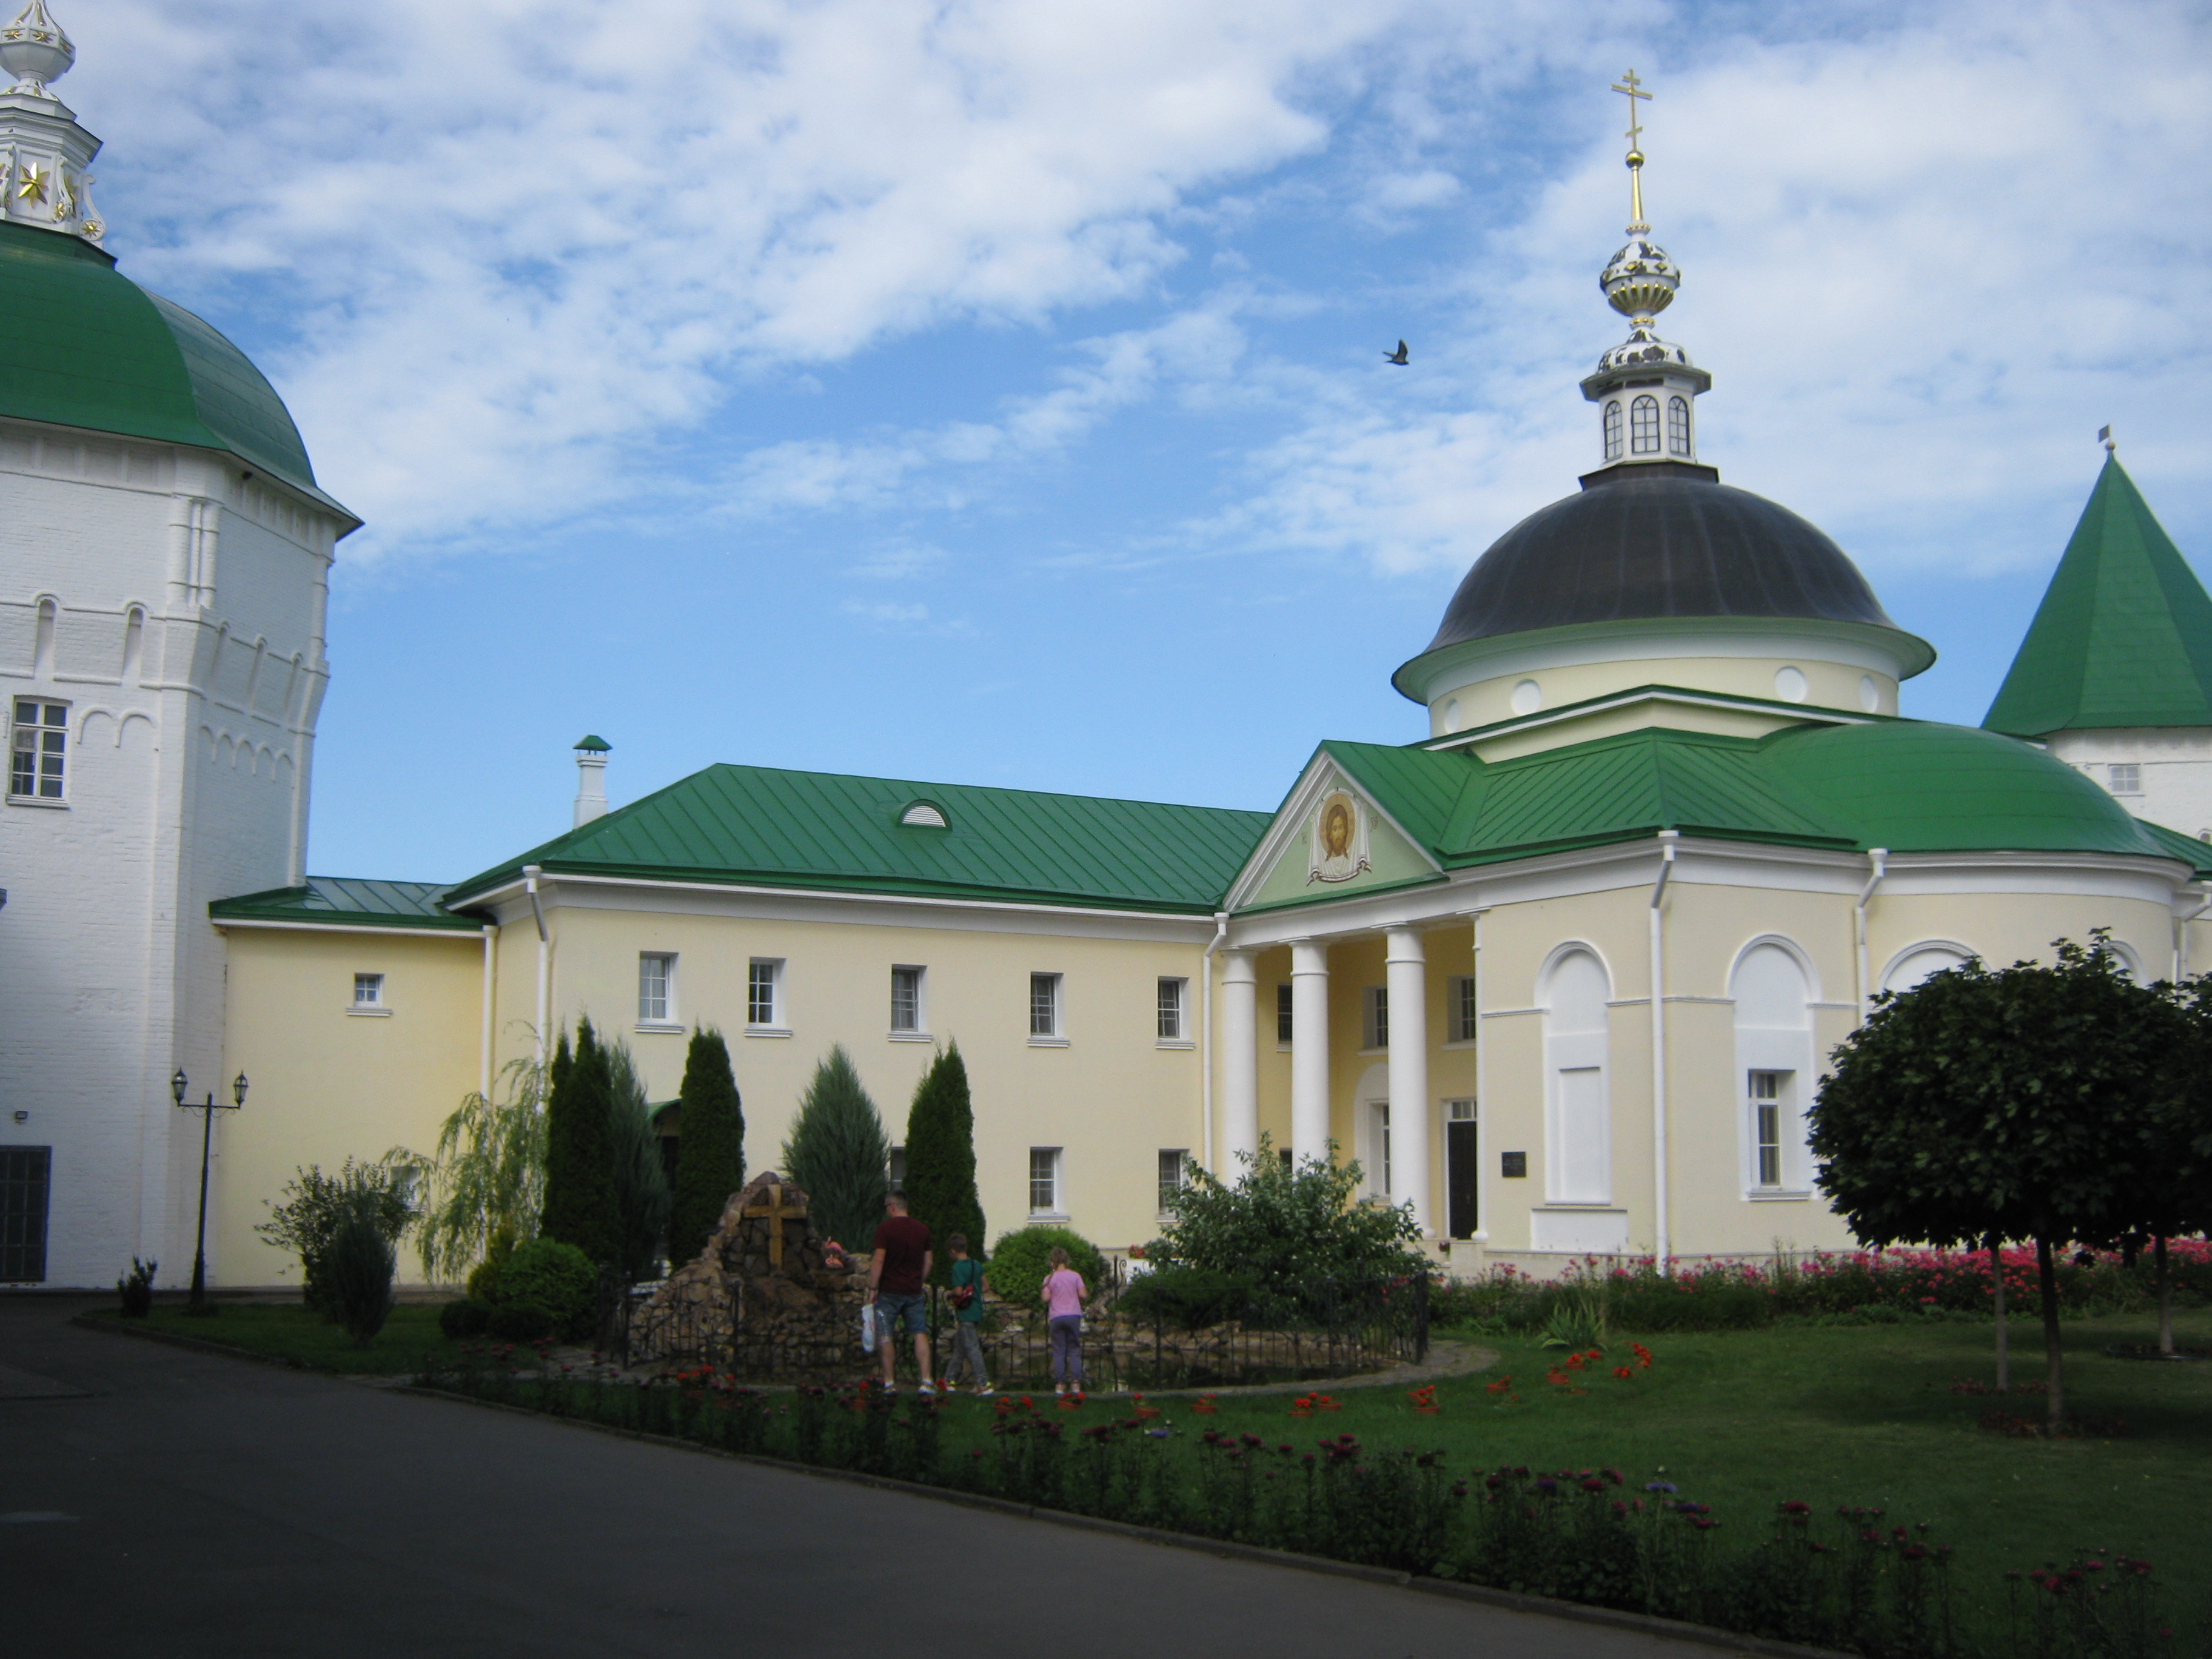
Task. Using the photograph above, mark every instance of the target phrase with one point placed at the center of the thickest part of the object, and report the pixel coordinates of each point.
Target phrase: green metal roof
(86, 346)
(754, 825)
(2124, 636)
(348, 902)
(1907, 786)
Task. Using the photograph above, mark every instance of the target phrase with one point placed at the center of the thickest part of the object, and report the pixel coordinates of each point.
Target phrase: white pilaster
(1239, 1047)
(1309, 1049)
(1407, 974)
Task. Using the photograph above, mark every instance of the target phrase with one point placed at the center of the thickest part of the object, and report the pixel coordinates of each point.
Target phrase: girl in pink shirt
(1064, 1292)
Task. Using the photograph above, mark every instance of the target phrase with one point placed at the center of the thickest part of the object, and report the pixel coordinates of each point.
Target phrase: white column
(1309, 1049)
(1407, 974)
(1238, 1041)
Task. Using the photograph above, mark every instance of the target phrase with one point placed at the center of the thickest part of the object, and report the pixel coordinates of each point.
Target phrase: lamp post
(210, 1106)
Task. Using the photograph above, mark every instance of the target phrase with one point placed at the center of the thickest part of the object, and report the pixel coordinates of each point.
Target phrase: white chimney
(591, 778)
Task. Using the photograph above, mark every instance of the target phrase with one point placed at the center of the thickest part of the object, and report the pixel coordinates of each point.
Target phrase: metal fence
(1201, 1335)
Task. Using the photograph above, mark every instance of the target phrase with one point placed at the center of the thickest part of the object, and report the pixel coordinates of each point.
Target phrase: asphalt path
(162, 1504)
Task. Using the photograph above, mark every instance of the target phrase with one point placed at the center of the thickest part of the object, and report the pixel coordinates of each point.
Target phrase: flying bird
(1398, 356)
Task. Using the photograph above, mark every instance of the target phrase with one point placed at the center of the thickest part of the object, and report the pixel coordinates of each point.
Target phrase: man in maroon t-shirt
(896, 1273)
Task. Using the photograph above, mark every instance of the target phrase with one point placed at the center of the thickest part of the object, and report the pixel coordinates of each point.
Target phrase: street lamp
(210, 1106)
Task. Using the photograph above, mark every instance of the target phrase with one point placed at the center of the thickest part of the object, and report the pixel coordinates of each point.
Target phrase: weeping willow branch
(487, 1176)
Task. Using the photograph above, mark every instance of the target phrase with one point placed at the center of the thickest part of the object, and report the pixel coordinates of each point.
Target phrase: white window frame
(374, 1005)
(1763, 1102)
(666, 1018)
(1048, 1178)
(1373, 1019)
(765, 972)
(1613, 429)
(1643, 424)
(1172, 1025)
(40, 730)
(919, 1031)
(1375, 1149)
(1678, 425)
(1173, 1178)
(1462, 1020)
(2124, 777)
(895, 1165)
(1285, 1018)
(1049, 1017)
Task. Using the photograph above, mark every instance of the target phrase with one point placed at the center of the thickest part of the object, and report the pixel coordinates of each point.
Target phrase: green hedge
(1019, 1265)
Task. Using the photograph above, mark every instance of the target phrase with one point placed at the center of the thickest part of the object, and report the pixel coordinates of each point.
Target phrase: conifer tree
(710, 1158)
(641, 1179)
(580, 1188)
(838, 1153)
(940, 1158)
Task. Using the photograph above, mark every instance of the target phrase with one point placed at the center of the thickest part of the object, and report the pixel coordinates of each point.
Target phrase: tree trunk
(2004, 1346)
(2054, 1352)
(2165, 1299)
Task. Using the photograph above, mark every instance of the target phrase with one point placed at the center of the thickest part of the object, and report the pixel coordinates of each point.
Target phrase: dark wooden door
(1461, 1178)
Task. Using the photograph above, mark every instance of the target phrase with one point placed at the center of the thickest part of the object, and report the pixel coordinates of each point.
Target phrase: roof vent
(591, 754)
(926, 814)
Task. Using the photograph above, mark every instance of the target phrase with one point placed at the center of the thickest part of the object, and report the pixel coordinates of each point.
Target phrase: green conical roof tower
(2124, 636)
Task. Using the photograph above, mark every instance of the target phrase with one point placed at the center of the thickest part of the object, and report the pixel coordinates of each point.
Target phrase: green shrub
(1292, 1229)
(1021, 1260)
(580, 1174)
(710, 1154)
(519, 1321)
(483, 1278)
(940, 1158)
(556, 1278)
(316, 1204)
(357, 1270)
(464, 1316)
(1186, 1298)
(838, 1155)
(641, 1179)
(137, 1288)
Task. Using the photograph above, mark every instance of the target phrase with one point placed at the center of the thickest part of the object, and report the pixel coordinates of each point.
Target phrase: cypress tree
(710, 1158)
(940, 1158)
(640, 1180)
(838, 1153)
(580, 1187)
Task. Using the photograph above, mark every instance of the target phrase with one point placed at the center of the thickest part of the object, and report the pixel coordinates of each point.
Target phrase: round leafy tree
(1999, 1103)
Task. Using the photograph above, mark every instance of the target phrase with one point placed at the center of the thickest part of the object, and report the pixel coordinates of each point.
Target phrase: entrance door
(1461, 1185)
(23, 1183)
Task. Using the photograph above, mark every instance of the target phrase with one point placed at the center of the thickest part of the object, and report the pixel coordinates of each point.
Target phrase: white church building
(1560, 969)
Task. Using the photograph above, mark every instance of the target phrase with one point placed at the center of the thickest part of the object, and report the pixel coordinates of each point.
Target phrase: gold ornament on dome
(31, 183)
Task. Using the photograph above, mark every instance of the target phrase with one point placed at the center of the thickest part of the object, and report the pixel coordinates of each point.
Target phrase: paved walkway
(185, 1505)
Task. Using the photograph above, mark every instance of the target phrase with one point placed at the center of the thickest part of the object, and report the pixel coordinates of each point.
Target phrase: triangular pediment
(1331, 838)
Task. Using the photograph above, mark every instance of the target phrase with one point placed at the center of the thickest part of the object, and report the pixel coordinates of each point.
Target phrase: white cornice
(472, 936)
(1794, 712)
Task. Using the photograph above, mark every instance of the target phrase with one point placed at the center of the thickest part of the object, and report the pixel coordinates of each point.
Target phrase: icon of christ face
(1335, 830)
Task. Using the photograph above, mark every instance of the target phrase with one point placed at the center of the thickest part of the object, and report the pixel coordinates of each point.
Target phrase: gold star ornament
(31, 183)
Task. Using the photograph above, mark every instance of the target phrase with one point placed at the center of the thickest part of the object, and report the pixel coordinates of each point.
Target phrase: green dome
(1920, 788)
(83, 346)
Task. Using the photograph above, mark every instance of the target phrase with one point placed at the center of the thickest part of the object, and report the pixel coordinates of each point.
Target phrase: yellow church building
(1561, 971)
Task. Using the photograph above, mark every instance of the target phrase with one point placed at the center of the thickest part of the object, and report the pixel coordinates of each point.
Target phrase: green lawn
(1862, 1415)
(289, 1331)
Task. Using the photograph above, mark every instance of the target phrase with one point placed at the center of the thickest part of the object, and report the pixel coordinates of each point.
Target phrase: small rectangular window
(898, 1166)
(1172, 1162)
(2127, 778)
(1044, 1180)
(1375, 1017)
(656, 986)
(764, 981)
(24, 1181)
(1766, 1125)
(906, 999)
(1283, 1013)
(1173, 993)
(40, 750)
(1044, 1004)
(1459, 1000)
(1459, 1111)
(369, 990)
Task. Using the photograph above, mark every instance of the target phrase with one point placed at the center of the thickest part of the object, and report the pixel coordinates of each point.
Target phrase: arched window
(1643, 425)
(1578, 1138)
(1678, 426)
(1613, 429)
(1919, 962)
(1774, 1069)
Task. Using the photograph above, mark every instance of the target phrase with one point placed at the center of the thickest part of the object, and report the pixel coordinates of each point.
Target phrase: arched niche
(1573, 991)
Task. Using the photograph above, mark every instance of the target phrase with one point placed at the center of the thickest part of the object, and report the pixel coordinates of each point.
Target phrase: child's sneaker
(926, 1390)
(982, 1390)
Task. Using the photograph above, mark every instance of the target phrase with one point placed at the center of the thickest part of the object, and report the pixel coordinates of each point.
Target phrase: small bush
(137, 1288)
(483, 1278)
(1020, 1262)
(317, 1204)
(556, 1278)
(356, 1270)
(1184, 1298)
(519, 1321)
(464, 1316)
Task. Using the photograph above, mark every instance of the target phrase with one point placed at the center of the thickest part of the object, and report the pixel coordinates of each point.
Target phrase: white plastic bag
(868, 1328)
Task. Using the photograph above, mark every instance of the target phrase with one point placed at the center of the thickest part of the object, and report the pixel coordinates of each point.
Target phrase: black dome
(1652, 542)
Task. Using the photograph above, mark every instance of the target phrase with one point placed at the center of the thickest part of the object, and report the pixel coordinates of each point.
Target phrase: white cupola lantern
(1645, 388)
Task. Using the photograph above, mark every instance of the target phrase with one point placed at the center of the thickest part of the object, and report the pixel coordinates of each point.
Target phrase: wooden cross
(777, 1212)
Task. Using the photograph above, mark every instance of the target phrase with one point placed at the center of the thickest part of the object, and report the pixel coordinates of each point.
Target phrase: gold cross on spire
(1631, 88)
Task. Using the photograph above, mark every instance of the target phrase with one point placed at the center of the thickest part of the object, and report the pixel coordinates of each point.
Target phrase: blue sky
(993, 393)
